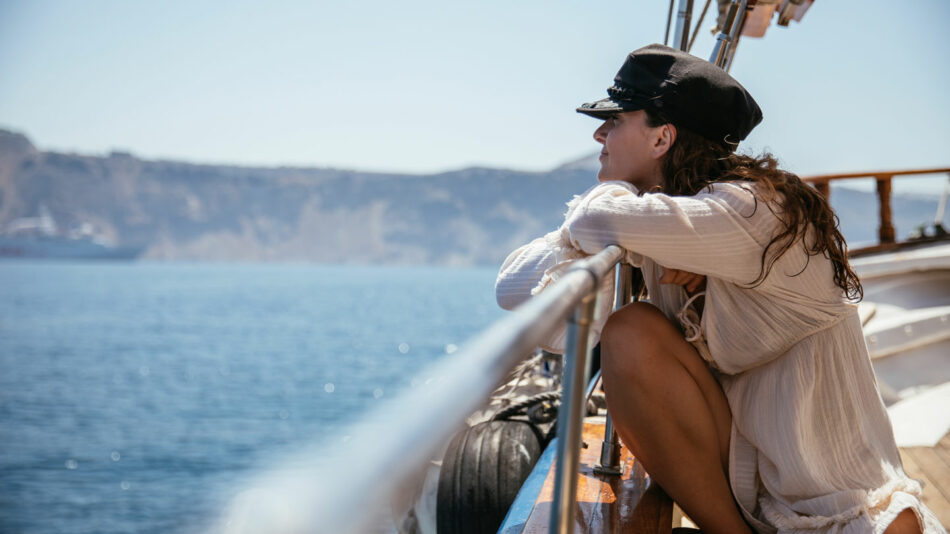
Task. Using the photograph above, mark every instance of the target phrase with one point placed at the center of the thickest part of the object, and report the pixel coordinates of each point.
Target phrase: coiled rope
(526, 407)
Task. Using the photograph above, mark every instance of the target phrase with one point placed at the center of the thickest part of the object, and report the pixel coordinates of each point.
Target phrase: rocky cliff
(212, 212)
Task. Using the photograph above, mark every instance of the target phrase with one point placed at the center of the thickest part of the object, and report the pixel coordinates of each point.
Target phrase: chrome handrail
(341, 488)
(570, 416)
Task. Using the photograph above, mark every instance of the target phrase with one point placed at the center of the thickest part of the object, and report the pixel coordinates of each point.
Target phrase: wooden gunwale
(825, 178)
(900, 245)
(886, 238)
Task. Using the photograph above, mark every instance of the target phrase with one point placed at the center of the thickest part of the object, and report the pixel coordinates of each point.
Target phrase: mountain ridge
(193, 211)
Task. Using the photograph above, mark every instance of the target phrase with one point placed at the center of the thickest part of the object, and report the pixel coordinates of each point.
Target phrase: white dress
(812, 449)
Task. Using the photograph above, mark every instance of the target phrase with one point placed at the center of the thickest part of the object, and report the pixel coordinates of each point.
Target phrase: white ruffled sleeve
(719, 233)
(533, 267)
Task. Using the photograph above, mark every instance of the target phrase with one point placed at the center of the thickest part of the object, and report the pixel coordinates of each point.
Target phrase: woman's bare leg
(905, 523)
(671, 412)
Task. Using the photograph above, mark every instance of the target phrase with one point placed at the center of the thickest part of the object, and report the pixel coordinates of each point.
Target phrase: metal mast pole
(683, 18)
(724, 40)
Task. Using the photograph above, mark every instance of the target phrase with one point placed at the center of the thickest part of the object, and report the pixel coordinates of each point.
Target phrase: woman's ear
(663, 142)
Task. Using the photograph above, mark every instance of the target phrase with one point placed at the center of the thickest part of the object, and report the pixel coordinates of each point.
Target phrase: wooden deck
(607, 504)
(633, 504)
(931, 466)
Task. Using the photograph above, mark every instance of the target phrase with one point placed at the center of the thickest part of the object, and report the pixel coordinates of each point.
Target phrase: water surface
(136, 397)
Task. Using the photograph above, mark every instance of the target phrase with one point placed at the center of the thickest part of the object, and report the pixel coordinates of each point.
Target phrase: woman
(745, 386)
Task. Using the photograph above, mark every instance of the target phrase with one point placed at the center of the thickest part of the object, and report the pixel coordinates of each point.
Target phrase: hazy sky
(424, 86)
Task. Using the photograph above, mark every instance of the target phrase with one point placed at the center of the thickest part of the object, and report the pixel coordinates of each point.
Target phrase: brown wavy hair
(694, 163)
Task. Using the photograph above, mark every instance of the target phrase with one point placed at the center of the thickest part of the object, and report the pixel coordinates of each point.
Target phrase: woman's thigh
(640, 332)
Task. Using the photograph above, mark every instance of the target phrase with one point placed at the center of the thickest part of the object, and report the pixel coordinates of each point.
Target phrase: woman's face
(632, 150)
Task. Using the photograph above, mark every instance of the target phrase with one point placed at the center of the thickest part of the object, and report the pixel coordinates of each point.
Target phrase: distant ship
(38, 237)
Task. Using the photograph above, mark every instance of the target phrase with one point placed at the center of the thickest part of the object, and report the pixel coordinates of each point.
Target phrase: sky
(426, 86)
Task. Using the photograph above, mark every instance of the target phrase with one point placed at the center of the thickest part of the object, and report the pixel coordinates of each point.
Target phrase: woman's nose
(600, 134)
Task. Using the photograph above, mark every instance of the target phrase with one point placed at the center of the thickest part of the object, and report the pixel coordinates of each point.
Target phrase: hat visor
(602, 109)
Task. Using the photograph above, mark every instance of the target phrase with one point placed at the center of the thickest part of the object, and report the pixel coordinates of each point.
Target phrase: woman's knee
(632, 338)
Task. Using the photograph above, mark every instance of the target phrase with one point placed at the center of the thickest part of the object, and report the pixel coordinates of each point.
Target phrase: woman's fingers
(676, 276)
(690, 281)
(699, 282)
(669, 275)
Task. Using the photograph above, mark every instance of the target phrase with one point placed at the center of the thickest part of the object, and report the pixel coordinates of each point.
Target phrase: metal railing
(339, 490)
(627, 285)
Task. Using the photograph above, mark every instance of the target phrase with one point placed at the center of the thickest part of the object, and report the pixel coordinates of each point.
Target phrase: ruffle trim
(785, 518)
(691, 322)
(564, 257)
(559, 243)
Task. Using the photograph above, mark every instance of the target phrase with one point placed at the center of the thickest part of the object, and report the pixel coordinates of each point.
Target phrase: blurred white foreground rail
(345, 488)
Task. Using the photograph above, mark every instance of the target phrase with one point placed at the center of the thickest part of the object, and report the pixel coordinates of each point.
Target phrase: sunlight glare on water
(140, 397)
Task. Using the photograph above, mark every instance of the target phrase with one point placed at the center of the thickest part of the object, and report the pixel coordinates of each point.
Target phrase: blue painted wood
(524, 502)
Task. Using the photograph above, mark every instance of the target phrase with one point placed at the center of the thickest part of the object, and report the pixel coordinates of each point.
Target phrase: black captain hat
(688, 91)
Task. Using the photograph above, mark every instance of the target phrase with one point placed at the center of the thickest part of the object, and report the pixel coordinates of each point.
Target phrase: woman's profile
(744, 385)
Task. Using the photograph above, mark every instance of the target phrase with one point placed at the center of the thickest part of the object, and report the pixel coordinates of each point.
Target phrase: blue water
(136, 397)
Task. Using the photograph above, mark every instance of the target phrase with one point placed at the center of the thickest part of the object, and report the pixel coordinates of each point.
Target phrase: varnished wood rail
(883, 178)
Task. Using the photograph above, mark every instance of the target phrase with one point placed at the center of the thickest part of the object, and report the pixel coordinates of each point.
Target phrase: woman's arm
(534, 266)
(720, 233)
(522, 271)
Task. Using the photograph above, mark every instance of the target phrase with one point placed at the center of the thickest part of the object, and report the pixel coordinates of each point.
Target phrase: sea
(139, 397)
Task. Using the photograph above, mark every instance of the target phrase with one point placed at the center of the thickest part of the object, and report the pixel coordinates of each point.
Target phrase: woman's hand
(691, 282)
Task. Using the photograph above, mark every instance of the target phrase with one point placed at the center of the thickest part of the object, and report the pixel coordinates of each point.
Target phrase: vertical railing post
(886, 231)
(609, 451)
(610, 448)
(570, 415)
(942, 207)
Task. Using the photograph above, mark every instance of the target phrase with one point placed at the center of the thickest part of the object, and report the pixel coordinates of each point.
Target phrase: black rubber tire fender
(483, 468)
